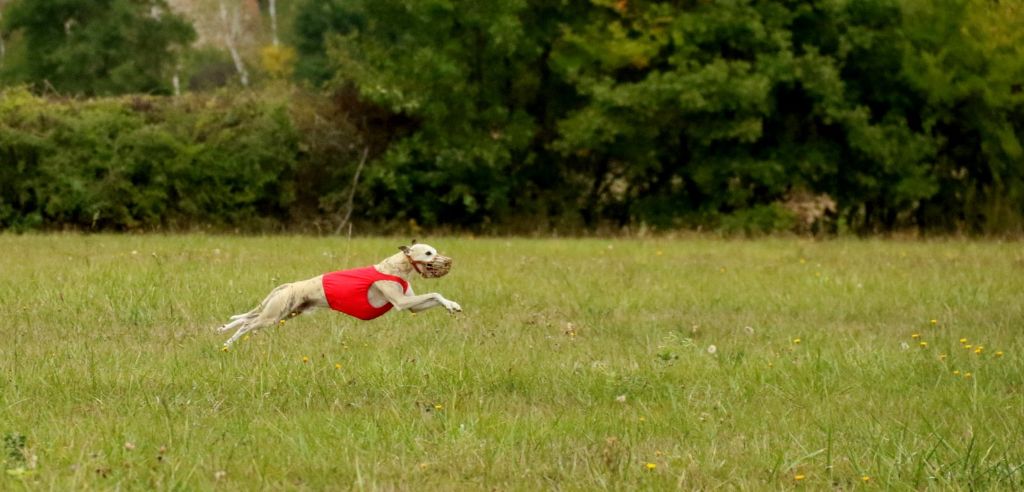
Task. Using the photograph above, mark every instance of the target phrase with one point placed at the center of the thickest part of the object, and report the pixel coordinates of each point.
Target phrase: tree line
(517, 115)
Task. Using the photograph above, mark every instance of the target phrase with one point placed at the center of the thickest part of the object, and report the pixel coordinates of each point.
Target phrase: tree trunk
(273, 22)
(3, 48)
(232, 29)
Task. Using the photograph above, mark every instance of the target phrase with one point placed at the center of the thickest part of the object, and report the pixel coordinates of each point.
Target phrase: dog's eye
(429, 253)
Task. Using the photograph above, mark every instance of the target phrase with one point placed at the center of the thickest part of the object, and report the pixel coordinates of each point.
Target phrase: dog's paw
(453, 307)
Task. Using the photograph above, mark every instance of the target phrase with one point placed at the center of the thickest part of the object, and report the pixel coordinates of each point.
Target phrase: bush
(145, 162)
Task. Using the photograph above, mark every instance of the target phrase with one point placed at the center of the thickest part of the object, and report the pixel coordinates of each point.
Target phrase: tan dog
(365, 293)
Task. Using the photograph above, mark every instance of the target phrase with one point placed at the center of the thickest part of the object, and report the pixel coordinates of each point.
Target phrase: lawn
(691, 363)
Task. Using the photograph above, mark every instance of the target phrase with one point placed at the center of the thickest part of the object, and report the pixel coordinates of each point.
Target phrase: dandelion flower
(924, 344)
(963, 340)
(305, 359)
(337, 366)
(281, 322)
(956, 373)
(796, 341)
(968, 346)
(915, 336)
(979, 350)
(934, 321)
(438, 406)
(865, 479)
(999, 353)
(224, 348)
(967, 375)
(799, 477)
(651, 466)
(642, 419)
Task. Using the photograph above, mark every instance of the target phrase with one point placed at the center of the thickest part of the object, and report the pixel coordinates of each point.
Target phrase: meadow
(578, 364)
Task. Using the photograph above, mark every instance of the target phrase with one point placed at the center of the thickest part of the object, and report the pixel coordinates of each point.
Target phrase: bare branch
(352, 194)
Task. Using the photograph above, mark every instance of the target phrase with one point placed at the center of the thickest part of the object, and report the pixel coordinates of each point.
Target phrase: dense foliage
(143, 162)
(745, 115)
(905, 113)
(95, 47)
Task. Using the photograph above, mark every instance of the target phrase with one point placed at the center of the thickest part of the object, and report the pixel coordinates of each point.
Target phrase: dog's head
(426, 261)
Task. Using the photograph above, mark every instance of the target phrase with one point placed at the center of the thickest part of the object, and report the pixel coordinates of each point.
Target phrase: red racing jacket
(348, 291)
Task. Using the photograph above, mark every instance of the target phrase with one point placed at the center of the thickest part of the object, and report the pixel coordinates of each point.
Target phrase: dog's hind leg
(237, 320)
(240, 319)
(276, 307)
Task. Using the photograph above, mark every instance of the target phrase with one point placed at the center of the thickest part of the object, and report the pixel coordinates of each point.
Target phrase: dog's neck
(397, 265)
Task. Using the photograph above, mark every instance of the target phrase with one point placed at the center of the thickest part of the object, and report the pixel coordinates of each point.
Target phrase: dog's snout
(439, 267)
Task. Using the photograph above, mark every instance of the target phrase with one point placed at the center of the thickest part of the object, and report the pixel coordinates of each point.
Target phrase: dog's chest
(377, 299)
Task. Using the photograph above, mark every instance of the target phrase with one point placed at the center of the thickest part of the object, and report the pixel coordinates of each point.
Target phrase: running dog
(365, 293)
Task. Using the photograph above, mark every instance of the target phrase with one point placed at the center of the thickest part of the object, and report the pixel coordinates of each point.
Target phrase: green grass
(110, 370)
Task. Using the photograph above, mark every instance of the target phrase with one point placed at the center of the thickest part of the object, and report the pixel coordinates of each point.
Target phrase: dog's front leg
(393, 293)
(430, 301)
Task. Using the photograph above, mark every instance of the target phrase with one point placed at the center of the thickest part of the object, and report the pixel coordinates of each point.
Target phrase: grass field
(577, 365)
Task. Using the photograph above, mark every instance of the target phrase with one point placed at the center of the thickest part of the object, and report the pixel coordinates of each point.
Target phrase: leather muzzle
(438, 267)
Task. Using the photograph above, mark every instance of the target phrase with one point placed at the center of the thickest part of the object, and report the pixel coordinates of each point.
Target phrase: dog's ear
(404, 249)
(413, 242)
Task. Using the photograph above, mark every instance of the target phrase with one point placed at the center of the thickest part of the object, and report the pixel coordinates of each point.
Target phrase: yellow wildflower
(796, 341)
(799, 477)
(651, 466)
(935, 321)
(924, 344)
(967, 375)
(438, 407)
(999, 353)
(305, 359)
(337, 366)
(963, 340)
(956, 373)
(865, 479)
(915, 336)
(979, 350)
(968, 346)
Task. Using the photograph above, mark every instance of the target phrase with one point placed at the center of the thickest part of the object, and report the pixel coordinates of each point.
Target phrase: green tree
(469, 79)
(96, 47)
(966, 59)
